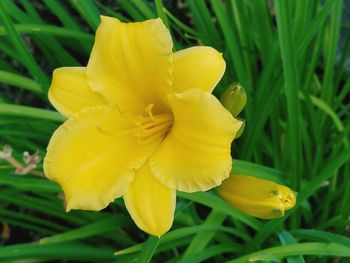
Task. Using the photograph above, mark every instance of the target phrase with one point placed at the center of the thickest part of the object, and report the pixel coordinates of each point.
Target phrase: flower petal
(132, 62)
(69, 91)
(150, 204)
(195, 155)
(197, 67)
(93, 156)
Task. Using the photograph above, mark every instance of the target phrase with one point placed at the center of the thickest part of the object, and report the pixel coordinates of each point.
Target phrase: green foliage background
(287, 54)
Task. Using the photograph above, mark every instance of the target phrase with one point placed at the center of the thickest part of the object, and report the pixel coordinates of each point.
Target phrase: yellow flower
(257, 197)
(142, 123)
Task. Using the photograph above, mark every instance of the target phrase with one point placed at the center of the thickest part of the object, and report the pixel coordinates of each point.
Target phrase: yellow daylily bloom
(142, 123)
(257, 197)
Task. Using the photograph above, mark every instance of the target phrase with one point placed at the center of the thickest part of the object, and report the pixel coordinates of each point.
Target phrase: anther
(149, 111)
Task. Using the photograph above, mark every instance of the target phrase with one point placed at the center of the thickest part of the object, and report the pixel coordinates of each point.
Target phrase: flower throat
(152, 126)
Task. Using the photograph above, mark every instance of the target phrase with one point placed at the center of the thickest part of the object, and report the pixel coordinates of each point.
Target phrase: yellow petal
(131, 64)
(257, 197)
(69, 91)
(195, 155)
(197, 67)
(150, 204)
(93, 156)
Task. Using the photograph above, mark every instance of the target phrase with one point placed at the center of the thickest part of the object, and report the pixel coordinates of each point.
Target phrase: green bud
(234, 99)
(241, 130)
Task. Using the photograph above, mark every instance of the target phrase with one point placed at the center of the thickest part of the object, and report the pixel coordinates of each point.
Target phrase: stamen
(145, 128)
(149, 110)
(153, 126)
(150, 138)
(146, 132)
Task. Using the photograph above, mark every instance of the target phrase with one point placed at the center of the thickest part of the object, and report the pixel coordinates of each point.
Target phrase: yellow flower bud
(257, 197)
(234, 99)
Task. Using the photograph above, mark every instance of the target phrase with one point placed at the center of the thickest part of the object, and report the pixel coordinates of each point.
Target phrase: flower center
(152, 127)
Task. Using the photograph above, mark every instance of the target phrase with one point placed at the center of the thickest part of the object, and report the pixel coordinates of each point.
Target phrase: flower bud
(257, 197)
(6, 152)
(234, 99)
(241, 129)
